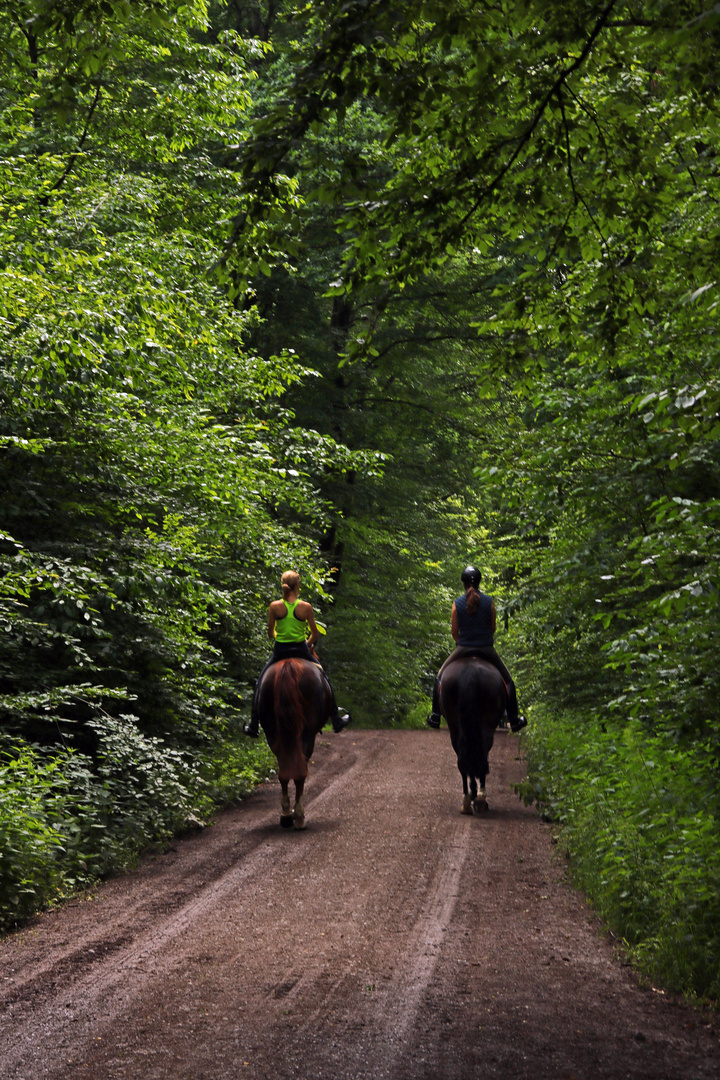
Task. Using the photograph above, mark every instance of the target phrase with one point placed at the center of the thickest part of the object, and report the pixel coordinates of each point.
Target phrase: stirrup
(519, 724)
(433, 720)
(251, 730)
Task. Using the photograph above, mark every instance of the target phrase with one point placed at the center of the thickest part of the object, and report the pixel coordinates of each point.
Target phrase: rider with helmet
(472, 625)
(290, 621)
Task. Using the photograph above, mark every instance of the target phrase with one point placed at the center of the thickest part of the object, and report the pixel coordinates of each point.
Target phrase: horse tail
(289, 718)
(472, 742)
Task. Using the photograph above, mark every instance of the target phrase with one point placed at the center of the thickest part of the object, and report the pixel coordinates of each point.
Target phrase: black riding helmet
(470, 576)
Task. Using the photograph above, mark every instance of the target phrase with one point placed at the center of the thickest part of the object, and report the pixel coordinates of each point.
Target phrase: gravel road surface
(393, 938)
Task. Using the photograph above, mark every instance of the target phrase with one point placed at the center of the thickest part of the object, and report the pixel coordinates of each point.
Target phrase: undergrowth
(639, 817)
(67, 820)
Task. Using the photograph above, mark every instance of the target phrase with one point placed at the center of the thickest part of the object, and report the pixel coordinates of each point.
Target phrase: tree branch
(76, 153)
(530, 130)
(576, 195)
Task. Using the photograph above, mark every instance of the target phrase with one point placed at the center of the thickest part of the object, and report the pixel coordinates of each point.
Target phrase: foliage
(154, 483)
(28, 842)
(639, 821)
(67, 819)
(403, 535)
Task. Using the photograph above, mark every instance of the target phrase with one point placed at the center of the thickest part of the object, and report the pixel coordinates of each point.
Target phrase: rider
(472, 624)
(289, 620)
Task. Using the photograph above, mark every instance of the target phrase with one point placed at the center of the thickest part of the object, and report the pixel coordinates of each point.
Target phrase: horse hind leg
(298, 815)
(467, 802)
(480, 803)
(286, 818)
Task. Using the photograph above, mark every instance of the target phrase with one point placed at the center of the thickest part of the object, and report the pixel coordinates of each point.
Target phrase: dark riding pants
(485, 652)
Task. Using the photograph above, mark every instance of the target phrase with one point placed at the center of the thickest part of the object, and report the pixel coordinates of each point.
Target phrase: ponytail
(473, 599)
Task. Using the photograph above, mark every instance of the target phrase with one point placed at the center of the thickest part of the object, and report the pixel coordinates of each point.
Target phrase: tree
(141, 481)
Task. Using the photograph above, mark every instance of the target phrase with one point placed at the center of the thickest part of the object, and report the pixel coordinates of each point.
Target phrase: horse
(473, 698)
(293, 705)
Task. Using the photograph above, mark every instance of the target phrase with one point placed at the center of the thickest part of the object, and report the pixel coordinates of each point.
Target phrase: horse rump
(288, 707)
(472, 747)
(473, 699)
(293, 705)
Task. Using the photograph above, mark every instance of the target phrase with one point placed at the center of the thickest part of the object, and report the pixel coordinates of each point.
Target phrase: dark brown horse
(293, 705)
(473, 699)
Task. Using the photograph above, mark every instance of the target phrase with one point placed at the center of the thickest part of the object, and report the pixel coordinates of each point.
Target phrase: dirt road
(393, 938)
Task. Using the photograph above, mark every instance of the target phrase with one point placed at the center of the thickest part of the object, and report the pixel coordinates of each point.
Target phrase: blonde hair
(290, 582)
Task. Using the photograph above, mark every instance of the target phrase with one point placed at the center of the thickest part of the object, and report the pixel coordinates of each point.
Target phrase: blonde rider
(293, 631)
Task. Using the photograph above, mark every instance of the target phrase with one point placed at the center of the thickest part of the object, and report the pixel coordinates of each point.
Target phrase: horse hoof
(480, 806)
(466, 807)
(299, 823)
(286, 821)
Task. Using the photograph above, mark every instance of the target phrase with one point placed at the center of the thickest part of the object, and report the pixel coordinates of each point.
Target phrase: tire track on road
(148, 956)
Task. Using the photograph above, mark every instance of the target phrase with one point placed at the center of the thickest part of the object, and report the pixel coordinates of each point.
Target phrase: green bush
(233, 770)
(639, 816)
(29, 843)
(67, 819)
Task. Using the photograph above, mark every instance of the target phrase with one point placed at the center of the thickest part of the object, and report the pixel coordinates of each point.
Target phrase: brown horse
(473, 698)
(293, 705)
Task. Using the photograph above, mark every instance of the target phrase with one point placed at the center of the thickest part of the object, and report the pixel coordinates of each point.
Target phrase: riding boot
(433, 719)
(253, 728)
(515, 719)
(340, 720)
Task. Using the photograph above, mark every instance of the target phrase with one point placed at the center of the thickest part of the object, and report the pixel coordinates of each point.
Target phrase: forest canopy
(373, 290)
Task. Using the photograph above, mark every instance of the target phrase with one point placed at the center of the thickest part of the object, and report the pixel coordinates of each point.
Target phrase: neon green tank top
(290, 629)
